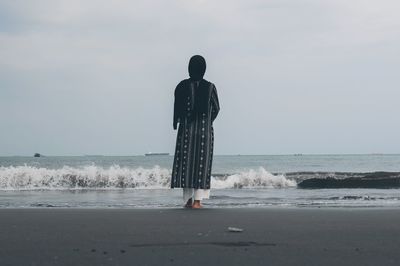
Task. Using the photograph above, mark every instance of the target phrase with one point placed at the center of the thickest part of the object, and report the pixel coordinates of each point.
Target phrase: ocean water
(237, 181)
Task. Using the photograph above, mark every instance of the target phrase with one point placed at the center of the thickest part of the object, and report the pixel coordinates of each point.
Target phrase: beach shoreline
(168, 236)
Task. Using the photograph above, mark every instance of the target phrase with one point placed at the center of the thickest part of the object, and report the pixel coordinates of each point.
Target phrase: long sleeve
(215, 103)
(176, 107)
(178, 104)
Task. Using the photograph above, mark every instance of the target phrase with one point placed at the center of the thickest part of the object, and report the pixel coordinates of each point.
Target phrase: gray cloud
(293, 76)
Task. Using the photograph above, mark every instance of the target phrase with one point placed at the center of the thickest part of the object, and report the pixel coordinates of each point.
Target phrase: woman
(195, 109)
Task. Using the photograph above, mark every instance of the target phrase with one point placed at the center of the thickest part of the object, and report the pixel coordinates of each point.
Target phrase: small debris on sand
(235, 229)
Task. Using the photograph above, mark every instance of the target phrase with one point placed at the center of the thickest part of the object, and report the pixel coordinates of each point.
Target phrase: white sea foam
(29, 177)
(260, 178)
(97, 177)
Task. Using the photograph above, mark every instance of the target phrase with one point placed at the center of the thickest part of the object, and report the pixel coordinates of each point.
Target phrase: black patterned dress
(196, 107)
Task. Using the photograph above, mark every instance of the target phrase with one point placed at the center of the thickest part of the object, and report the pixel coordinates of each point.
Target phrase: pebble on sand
(235, 229)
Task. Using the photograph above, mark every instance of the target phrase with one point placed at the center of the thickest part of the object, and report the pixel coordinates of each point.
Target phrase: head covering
(197, 67)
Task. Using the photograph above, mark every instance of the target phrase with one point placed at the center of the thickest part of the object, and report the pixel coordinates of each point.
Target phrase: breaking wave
(254, 179)
(96, 177)
(116, 177)
(87, 177)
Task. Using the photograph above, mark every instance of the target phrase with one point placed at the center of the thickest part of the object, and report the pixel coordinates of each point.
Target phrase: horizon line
(229, 154)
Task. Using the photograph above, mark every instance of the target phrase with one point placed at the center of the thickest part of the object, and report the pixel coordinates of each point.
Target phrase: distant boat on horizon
(156, 154)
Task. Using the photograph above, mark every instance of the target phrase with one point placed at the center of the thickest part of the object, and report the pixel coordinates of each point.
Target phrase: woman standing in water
(195, 109)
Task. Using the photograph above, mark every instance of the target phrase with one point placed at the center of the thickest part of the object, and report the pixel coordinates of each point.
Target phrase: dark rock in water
(42, 205)
(37, 155)
(367, 181)
(352, 197)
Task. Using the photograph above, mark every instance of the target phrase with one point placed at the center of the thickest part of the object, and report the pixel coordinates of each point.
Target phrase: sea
(238, 181)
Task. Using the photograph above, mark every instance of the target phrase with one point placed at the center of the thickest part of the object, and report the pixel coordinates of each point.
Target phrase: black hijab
(197, 67)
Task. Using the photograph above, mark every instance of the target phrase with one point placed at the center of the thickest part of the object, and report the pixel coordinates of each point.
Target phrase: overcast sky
(293, 76)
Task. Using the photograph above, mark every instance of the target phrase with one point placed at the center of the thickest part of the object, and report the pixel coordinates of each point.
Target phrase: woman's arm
(176, 111)
(177, 104)
(215, 103)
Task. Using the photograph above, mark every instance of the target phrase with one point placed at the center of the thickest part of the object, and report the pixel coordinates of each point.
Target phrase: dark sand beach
(199, 237)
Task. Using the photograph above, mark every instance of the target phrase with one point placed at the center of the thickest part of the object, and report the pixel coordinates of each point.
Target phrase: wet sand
(200, 237)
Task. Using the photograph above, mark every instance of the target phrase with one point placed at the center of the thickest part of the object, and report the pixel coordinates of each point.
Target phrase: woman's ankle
(196, 204)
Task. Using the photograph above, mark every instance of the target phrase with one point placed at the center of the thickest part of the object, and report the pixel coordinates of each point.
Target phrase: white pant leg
(200, 194)
(197, 194)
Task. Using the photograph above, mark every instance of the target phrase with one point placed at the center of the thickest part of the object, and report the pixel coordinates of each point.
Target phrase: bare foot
(197, 205)
(189, 203)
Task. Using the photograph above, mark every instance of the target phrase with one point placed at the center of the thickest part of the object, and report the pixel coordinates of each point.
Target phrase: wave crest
(260, 178)
(96, 177)
(29, 177)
